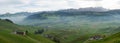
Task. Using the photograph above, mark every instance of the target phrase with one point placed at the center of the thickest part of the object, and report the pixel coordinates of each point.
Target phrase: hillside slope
(7, 36)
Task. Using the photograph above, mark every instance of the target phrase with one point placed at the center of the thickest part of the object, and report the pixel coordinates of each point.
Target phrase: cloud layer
(44, 5)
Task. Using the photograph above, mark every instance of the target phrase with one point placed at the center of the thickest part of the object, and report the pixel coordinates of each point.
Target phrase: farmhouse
(96, 37)
(20, 32)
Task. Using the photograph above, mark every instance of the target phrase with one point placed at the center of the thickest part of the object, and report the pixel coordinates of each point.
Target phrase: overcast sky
(45, 5)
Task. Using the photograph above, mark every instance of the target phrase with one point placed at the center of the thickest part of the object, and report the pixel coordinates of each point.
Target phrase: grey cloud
(11, 2)
(35, 5)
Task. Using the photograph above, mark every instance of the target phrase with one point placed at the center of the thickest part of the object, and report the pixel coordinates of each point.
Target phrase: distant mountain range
(61, 16)
(97, 11)
(63, 12)
(16, 14)
(94, 9)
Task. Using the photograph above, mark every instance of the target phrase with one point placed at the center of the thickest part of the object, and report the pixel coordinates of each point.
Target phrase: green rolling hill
(7, 35)
(68, 26)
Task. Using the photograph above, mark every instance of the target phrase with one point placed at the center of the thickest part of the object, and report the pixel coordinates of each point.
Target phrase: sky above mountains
(47, 5)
